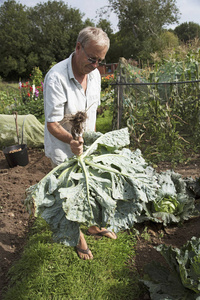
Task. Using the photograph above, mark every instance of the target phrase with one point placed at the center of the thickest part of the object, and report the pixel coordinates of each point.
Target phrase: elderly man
(70, 86)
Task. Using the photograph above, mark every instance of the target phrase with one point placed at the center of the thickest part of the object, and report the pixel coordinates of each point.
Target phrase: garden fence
(161, 116)
(120, 95)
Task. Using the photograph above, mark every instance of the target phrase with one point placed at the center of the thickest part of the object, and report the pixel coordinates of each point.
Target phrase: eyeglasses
(93, 60)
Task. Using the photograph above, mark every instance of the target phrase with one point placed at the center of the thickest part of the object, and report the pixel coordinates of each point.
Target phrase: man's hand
(77, 146)
(60, 133)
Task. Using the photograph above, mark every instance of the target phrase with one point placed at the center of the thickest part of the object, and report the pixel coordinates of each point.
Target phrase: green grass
(6, 85)
(104, 121)
(49, 270)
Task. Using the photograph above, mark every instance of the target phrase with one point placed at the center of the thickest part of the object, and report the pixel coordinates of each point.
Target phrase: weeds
(162, 117)
(145, 235)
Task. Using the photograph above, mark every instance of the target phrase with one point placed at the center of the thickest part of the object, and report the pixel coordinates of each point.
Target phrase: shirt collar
(69, 64)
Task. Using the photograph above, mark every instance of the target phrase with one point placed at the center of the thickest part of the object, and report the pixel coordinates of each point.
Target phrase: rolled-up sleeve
(55, 99)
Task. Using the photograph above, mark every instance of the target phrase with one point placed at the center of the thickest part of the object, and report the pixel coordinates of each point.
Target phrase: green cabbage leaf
(108, 186)
(182, 279)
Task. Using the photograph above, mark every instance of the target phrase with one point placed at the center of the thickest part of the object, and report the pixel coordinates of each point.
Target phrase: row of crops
(160, 106)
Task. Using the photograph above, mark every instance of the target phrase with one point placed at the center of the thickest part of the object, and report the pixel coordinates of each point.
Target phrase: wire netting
(161, 108)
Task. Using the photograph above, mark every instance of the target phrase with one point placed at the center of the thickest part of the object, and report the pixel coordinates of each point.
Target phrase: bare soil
(15, 222)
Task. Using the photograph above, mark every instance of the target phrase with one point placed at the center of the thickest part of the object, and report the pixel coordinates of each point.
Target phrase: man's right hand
(60, 133)
(77, 146)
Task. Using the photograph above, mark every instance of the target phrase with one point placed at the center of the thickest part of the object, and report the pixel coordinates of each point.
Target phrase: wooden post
(119, 101)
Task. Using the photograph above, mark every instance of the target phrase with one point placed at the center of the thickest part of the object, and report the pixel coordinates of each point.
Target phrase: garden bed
(15, 222)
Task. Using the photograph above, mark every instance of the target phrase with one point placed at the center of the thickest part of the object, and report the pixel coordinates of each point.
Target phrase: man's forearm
(59, 132)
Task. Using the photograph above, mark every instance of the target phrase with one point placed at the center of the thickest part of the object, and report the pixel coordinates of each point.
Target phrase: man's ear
(78, 46)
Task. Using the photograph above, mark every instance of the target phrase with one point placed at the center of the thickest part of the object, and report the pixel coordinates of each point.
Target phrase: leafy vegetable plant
(103, 186)
(108, 185)
(174, 202)
(166, 204)
(182, 279)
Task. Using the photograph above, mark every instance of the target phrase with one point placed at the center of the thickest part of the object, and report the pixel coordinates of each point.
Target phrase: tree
(36, 37)
(187, 31)
(88, 22)
(167, 40)
(113, 50)
(141, 23)
(106, 26)
(14, 40)
(54, 30)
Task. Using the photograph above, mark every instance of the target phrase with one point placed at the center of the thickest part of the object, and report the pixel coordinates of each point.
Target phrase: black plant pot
(17, 157)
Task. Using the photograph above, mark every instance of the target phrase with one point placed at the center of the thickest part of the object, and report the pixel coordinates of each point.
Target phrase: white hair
(95, 34)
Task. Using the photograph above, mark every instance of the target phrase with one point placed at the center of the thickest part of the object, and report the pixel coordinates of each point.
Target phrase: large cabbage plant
(108, 185)
(174, 202)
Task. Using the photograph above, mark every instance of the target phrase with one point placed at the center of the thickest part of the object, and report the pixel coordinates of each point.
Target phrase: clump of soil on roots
(77, 122)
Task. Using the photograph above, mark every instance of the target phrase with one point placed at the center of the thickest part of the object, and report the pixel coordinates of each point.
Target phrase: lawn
(49, 270)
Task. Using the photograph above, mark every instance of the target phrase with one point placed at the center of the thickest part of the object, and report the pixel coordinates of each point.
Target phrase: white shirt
(63, 94)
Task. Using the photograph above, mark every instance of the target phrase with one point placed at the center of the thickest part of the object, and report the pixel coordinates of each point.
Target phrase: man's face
(89, 56)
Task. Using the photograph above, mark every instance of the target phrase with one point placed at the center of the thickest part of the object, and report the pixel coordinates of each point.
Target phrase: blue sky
(190, 9)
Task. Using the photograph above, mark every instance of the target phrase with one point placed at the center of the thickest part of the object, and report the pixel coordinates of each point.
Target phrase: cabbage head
(167, 204)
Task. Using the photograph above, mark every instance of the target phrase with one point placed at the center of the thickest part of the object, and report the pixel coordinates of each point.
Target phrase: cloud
(189, 11)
